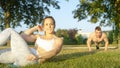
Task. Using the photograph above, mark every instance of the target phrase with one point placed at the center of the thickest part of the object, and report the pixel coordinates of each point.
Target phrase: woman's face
(49, 25)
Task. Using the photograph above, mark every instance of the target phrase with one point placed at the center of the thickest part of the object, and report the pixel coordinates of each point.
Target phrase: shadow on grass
(63, 57)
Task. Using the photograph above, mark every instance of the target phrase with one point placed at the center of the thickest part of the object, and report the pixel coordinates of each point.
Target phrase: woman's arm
(55, 51)
(28, 34)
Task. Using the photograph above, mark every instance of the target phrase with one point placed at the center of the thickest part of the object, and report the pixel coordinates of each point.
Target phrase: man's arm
(89, 43)
(106, 42)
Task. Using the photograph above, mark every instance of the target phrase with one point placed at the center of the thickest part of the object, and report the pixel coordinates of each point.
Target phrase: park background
(72, 26)
(75, 32)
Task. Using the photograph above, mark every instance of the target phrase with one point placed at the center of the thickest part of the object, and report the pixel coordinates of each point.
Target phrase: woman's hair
(50, 18)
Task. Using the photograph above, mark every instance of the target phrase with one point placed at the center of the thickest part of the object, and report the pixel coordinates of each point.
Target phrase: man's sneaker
(97, 47)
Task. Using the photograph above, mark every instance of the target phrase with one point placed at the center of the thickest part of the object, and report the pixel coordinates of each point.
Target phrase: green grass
(80, 58)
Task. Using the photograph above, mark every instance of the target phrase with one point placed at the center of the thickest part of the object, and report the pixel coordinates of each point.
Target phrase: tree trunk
(7, 22)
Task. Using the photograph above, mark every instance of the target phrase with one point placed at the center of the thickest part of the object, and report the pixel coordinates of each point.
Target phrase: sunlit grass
(80, 58)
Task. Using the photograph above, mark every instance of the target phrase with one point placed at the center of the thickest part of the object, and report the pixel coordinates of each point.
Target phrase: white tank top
(45, 44)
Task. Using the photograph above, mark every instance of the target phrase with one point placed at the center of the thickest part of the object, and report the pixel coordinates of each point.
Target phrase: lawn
(81, 58)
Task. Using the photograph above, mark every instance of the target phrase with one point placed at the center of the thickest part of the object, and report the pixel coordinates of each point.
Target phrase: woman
(47, 45)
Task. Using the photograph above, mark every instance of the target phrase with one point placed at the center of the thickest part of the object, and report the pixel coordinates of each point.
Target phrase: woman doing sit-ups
(46, 46)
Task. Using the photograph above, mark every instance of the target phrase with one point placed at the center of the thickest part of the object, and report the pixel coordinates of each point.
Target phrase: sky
(64, 18)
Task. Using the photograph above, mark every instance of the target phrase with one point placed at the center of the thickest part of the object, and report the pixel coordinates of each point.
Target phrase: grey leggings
(19, 48)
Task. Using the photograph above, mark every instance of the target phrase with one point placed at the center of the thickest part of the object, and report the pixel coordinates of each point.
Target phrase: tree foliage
(31, 12)
(105, 11)
(72, 33)
(110, 37)
(79, 39)
(62, 33)
(68, 35)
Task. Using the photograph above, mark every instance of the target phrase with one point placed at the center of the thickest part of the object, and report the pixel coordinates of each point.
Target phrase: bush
(68, 41)
(110, 37)
(79, 39)
(84, 41)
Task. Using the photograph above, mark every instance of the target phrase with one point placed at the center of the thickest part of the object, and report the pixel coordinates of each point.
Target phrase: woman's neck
(49, 36)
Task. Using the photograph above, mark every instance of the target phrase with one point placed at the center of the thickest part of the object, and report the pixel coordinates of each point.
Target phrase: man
(97, 37)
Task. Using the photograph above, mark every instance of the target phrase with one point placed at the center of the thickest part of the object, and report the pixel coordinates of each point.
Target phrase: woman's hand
(31, 57)
(40, 28)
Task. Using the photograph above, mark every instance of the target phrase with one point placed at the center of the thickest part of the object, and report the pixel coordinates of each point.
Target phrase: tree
(31, 12)
(107, 12)
(62, 33)
(79, 39)
(68, 35)
(72, 33)
(110, 37)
